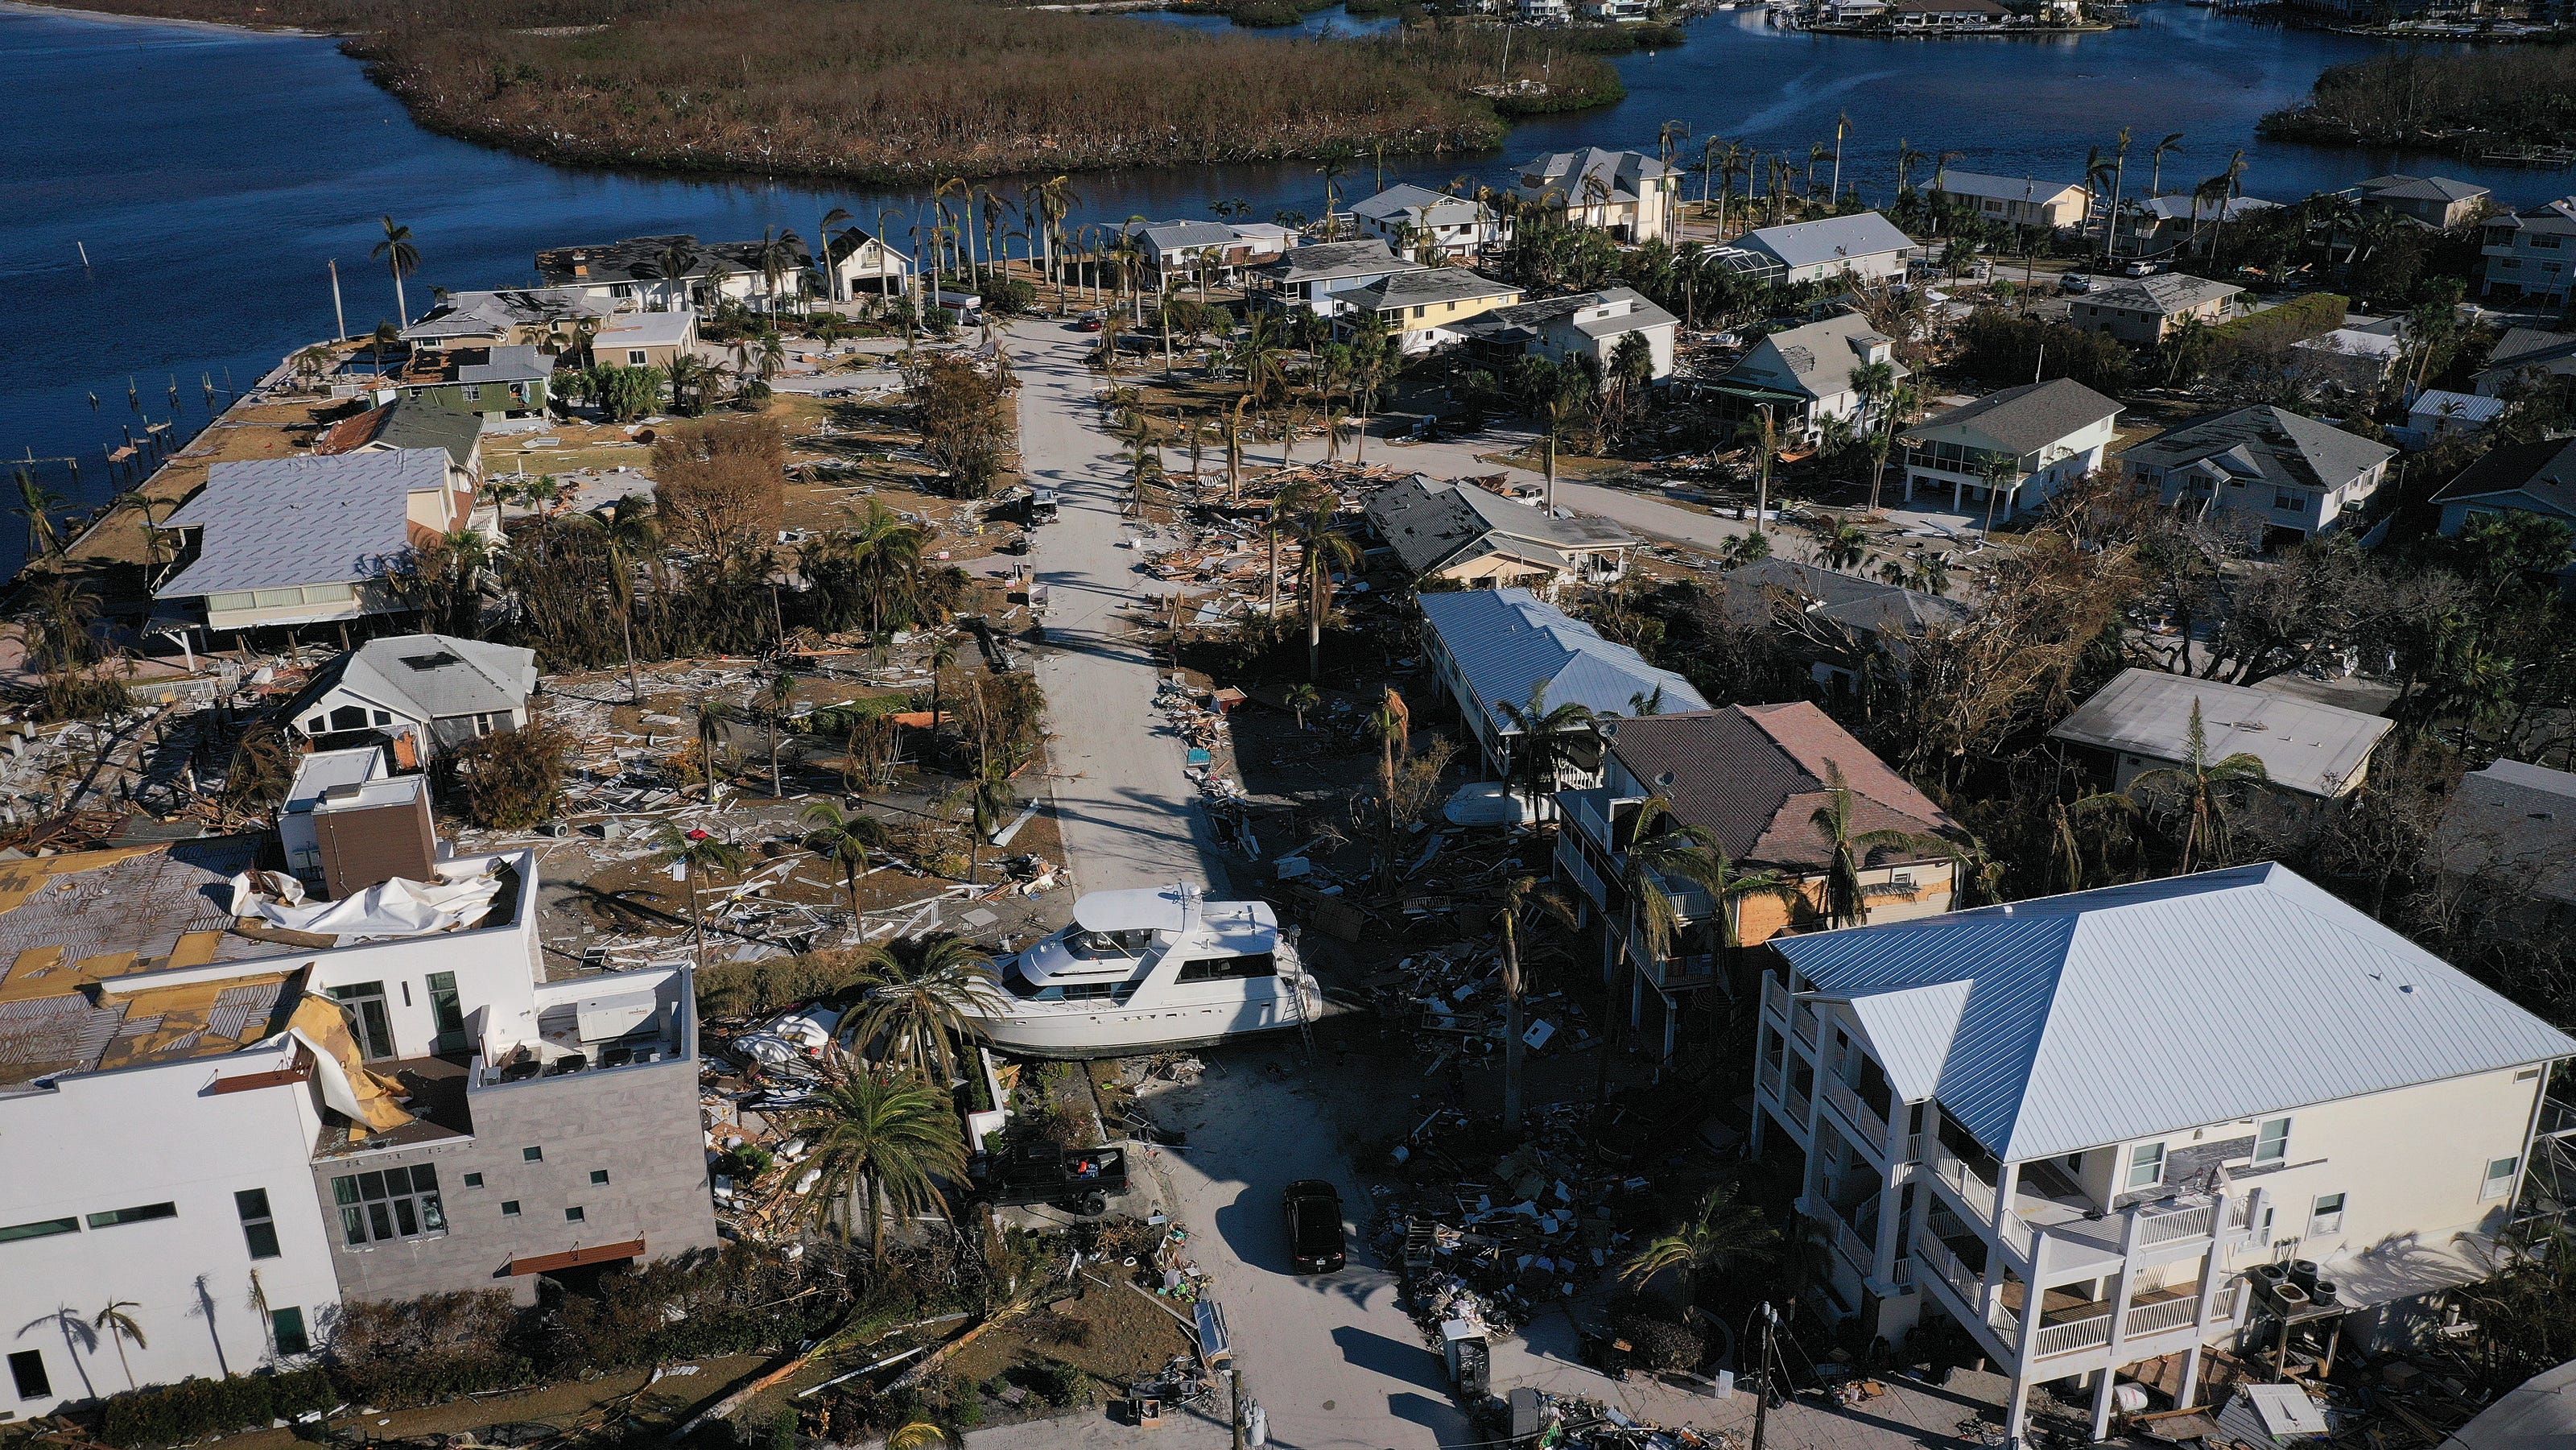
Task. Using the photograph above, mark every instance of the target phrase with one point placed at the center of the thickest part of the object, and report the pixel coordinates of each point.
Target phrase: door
(446, 1014)
(367, 1011)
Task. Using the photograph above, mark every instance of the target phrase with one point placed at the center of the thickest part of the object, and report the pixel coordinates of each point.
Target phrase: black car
(1314, 1210)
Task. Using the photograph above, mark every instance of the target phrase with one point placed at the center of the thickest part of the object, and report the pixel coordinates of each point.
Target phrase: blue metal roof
(2102, 1017)
(1504, 641)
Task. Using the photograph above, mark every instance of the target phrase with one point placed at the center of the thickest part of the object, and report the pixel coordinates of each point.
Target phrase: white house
(2019, 201)
(1408, 218)
(2030, 441)
(863, 263)
(232, 1130)
(2141, 721)
(639, 271)
(1583, 324)
(1316, 277)
(311, 540)
(2297, 476)
(1804, 375)
(1864, 247)
(2538, 479)
(2089, 1129)
(415, 694)
(1491, 647)
(1628, 194)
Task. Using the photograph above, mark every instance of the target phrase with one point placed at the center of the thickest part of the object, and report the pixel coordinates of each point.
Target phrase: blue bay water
(211, 175)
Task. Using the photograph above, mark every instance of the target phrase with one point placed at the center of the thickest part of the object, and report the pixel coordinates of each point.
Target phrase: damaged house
(416, 695)
(1458, 534)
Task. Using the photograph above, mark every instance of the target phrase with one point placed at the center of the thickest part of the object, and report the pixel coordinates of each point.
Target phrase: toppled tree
(966, 422)
(514, 779)
(720, 484)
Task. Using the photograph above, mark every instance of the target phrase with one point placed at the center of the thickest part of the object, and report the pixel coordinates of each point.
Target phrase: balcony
(1870, 1127)
(1800, 1112)
(2044, 1203)
(1769, 1075)
(2073, 1328)
(1569, 860)
(1775, 999)
(1847, 1240)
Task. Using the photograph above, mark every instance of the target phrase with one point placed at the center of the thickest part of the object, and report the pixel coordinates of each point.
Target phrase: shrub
(1663, 1345)
(720, 484)
(196, 1408)
(2267, 333)
(782, 1429)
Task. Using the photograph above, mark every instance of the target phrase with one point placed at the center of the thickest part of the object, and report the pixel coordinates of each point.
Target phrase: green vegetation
(2269, 331)
(2407, 98)
(894, 93)
(197, 1408)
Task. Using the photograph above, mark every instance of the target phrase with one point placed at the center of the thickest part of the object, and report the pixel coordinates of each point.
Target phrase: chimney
(369, 834)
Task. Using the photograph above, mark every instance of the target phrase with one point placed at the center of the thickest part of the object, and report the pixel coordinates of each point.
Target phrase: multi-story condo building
(229, 1115)
(2075, 1126)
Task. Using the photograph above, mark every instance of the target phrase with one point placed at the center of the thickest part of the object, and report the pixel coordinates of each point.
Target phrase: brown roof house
(1755, 778)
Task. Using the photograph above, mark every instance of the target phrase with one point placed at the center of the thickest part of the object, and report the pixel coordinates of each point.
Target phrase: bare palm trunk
(1514, 1049)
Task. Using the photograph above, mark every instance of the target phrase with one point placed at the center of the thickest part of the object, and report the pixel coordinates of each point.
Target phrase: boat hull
(1082, 1031)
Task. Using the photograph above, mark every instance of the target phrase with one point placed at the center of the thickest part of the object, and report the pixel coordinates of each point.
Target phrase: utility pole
(339, 317)
(1234, 1397)
(1762, 1400)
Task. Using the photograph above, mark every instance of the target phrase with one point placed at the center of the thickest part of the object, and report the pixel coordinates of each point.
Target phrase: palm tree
(402, 259)
(889, 1143)
(712, 717)
(1303, 697)
(1514, 893)
(1764, 435)
(38, 504)
(782, 695)
(1335, 167)
(2170, 146)
(1326, 549)
(2199, 788)
(2119, 183)
(843, 837)
(831, 275)
(988, 798)
(119, 1327)
(943, 657)
(673, 263)
(1720, 1234)
(1552, 414)
(1540, 754)
(1847, 850)
(695, 852)
(922, 1007)
(919, 1435)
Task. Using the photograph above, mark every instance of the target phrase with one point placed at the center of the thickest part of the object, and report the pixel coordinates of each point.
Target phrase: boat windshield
(1094, 946)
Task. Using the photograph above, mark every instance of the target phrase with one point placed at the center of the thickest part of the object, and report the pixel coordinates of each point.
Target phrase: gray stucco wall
(639, 1124)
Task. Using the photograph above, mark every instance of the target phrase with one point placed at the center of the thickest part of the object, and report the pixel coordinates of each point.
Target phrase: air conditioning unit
(604, 1019)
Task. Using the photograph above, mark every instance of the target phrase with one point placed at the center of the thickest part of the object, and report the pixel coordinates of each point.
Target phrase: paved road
(1128, 814)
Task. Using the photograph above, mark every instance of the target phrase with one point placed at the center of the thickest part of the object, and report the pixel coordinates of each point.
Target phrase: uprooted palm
(919, 1004)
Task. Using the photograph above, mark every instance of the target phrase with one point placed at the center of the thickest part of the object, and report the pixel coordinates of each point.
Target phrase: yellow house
(1420, 308)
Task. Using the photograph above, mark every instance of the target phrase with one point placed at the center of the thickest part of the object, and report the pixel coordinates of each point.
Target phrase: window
(42, 1228)
(394, 1203)
(384, 717)
(509, 1208)
(1221, 969)
(635, 357)
(27, 1367)
(473, 392)
(368, 1014)
(473, 1180)
(532, 1155)
(143, 1213)
(2289, 501)
(599, 1175)
(2146, 1165)
(2327, 1216)
(259, 1226)
(2499, 1179)
(573, 1214)
(286, 1327)
(2271, 1142)
(2546, 241)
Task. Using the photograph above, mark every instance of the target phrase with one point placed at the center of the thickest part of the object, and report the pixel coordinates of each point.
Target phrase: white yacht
(1152, 970)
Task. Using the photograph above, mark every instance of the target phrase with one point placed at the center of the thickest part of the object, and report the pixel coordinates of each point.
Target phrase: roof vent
(1665, 780)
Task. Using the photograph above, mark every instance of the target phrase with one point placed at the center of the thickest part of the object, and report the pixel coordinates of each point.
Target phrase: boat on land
(1158, 969)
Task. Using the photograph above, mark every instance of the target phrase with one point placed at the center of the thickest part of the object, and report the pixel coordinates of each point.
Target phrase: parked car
(1314, 1209)
(2074, 282)
(2143, 268)
(1087, 322)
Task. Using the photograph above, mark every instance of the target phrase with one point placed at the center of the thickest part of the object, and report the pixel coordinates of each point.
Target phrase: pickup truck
(1078, 1180)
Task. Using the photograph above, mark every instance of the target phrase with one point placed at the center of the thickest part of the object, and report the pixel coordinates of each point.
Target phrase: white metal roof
(2108, 1016)
(273, 522)
(1830, 239)
(2304, 746)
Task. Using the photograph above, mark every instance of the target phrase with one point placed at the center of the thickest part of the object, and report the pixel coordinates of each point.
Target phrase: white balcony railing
(2168, 1223)
(1578, 870)
(2162, 1315)
(1769, 1076)
(1947, 1267)
(1775, 998)
(1853, 1246)
(1799, 1111)
(1802, 1022)
(1873, 1128)
(2091, 1332)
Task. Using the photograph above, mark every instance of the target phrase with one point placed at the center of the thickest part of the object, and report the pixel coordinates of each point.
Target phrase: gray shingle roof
(1186, 232)
(1565, 172)
(1338, 259)
(2543, 473)
(1864, 604)
(1405, 198)
(1755, 775)
(417, 424)
(429, 676)
(2002, 188)
(483, 314)
(1549, 311)
(275, 522)
(522, 364)
(1820, 356)
(2164, 294)
(2531, 347)
(2304, 746)
(1438, 284)
(2271, 443)
(2027, 418)
(1431, 525)
(1504, 641)
(2421, 188)
(1830, 239)
(2041, 1055)
(2516, 825)
(640, 259)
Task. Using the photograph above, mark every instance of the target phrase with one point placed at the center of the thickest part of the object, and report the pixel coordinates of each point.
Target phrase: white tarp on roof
(398, 907)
